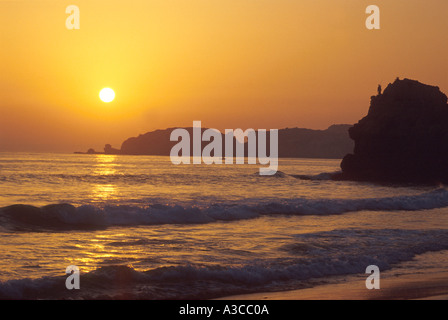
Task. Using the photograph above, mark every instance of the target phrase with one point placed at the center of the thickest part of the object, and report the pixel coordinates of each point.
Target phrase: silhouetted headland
(332, 143)
(403, 138)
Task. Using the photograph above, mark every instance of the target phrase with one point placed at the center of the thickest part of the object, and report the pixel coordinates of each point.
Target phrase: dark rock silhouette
(90, 151)
(403, 138)
(332, 143)
(109, 150)
(151, 143)
(158, 143)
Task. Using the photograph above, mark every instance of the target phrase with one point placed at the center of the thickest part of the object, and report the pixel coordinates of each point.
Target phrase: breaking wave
(312, 256)
(320, 176)
(65, 216)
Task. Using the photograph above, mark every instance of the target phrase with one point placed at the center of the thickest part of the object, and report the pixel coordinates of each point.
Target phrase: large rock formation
(333, 142)
(156, 143)
(403, 138)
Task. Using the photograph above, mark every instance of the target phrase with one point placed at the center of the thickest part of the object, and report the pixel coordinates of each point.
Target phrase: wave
(66, 216)
(85, 178)
(313, 256)
(274, 174)
(320, 176)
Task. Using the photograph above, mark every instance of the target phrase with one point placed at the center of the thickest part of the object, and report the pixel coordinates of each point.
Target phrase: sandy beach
(405, 287)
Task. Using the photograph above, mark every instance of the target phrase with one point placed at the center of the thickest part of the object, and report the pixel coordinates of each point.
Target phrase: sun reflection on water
(105, 166)
(102, 192)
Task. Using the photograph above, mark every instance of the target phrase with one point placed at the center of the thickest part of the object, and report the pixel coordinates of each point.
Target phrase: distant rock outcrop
(151, 143)
(90, 151)
(109, 150)
(403, 138)
(333, 142)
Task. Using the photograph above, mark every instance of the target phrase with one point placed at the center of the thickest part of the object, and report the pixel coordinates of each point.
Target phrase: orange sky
(228, 63)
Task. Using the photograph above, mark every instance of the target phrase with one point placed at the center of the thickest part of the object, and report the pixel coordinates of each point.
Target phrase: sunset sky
(228, 63)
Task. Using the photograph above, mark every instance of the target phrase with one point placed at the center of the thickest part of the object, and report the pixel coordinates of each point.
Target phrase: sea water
(140, 227)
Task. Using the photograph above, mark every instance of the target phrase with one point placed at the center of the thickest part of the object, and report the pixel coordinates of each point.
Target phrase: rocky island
(403, 138)
(331, 143)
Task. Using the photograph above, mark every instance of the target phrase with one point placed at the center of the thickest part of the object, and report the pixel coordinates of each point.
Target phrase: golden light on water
(105, 166)
(104, 191)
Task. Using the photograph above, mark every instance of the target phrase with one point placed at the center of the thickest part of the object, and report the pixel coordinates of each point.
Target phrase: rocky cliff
(333, 142)
(403, 138)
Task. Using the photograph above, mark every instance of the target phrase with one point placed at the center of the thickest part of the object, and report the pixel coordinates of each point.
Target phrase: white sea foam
(63, 216)
(312, 256)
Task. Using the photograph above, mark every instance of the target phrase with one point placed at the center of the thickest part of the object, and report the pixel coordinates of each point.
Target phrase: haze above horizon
(230, 64)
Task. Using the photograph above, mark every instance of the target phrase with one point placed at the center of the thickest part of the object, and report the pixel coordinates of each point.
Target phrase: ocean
(139, 227)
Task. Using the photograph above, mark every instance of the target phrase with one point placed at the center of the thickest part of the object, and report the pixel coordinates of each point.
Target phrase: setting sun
(107, 95)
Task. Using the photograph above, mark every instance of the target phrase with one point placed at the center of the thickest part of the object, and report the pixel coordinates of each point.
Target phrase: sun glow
(107, 95)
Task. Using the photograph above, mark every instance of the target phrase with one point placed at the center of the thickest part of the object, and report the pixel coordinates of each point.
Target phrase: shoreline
(422, 286)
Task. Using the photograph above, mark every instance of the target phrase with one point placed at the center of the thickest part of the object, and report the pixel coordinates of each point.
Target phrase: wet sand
(416, 286)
